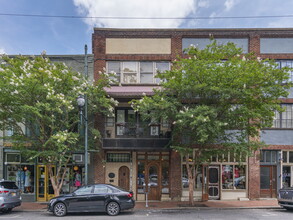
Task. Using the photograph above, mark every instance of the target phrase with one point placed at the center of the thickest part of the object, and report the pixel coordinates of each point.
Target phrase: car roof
(10, 181)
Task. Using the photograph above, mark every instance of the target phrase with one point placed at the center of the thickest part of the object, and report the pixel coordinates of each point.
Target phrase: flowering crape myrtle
(216, 101)
(38, 107)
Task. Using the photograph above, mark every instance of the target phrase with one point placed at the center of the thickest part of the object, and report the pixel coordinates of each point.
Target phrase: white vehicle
(9, 196)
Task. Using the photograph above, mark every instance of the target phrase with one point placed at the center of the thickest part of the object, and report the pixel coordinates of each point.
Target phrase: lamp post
(82, 104)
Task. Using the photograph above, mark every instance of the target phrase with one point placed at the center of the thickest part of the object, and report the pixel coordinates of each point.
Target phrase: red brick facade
(176, 35)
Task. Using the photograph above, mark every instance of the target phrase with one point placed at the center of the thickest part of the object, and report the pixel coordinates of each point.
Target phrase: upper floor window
(286, 63)
(131, 72)
(284, 119)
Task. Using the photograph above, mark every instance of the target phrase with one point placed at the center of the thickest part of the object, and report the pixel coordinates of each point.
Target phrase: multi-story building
(15, 167)
(135, 152)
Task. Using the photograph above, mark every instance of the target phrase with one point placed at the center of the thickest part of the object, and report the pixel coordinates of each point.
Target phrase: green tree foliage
(38, 102)
(217, 100)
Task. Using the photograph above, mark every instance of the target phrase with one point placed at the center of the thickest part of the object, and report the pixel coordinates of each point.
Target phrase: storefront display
(20, 171)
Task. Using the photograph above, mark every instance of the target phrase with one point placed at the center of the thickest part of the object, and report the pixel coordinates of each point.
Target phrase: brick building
(134, 152)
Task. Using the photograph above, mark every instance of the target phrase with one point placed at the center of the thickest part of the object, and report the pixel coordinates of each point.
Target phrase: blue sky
(32, 35)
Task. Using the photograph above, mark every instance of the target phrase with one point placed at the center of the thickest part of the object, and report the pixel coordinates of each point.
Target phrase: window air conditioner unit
(77, 158)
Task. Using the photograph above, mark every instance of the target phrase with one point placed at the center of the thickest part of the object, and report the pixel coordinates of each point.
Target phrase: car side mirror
(74, 194)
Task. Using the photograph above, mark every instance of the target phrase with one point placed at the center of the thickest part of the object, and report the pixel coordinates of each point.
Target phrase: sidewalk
(220, 204)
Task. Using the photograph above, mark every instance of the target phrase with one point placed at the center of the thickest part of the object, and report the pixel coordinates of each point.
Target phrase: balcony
(134, 136)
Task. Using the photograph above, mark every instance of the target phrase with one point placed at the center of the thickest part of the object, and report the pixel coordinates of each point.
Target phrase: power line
(145, 18)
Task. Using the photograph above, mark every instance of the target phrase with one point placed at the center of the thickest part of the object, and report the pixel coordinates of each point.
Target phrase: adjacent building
(135, 153)
(32, 176)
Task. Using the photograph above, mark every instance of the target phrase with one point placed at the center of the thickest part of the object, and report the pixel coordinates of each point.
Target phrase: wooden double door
(268, 183)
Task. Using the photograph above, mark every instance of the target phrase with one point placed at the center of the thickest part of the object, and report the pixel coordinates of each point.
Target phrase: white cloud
(135, 8)
(229, 4)
(203, 4)
(2, 51)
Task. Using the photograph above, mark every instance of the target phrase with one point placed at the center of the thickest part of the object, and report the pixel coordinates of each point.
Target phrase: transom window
(131, 72)
(118, 157)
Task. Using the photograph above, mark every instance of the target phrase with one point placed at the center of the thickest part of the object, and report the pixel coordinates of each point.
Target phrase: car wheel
(113, 208)
(7, 210)
(60, 209)
(289, 208)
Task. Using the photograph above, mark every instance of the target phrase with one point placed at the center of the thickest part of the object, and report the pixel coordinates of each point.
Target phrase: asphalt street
(225, 214)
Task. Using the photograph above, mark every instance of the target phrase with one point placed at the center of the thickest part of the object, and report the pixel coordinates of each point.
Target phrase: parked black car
(93, 198)
(285, 198)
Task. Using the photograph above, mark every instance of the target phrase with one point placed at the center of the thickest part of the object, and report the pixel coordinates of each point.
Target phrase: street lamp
(82, 104)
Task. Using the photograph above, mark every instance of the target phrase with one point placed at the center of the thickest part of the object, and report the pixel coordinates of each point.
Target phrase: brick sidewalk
(270, 203)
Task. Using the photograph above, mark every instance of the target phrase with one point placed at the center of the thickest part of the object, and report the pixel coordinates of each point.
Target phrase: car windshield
(8, 185)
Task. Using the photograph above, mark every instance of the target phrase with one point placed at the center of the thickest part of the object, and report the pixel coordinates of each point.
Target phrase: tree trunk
(191, 191)
(190, 173)
(57, 183)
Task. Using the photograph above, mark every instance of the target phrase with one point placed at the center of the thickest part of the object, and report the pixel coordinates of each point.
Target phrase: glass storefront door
(44, 187)
(268, 185)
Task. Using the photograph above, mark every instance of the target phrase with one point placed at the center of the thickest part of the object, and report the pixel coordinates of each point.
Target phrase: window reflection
(198, 179)
(140, 176)
(233, 177)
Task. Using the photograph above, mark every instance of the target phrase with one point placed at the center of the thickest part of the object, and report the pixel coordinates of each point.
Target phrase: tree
(38, 102)
(217, 100)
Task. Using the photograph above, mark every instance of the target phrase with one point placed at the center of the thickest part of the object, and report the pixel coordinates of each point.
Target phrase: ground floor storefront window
(233, 177)
(221, 177)
(287, 169)
(19, 170)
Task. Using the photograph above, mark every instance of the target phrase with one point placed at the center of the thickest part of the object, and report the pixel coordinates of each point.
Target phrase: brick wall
(99, 167)
(176, 35)
(175, 176)
(254, 176)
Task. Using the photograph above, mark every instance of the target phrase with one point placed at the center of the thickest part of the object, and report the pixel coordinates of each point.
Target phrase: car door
(99, 197)
(80, 200)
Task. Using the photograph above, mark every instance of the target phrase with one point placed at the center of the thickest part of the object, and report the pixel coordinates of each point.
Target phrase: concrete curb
(199, 208)
(175, 209)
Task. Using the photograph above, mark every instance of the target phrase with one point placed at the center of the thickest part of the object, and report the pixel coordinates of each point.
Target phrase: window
(100, 189)
(84, 190)
(12, 158)
(285, 156)
(284, 119)
(140, 176)
(290, 156)
(146, 72)
(110, 121)
(131, 72)
(114, 68)
(286, 63)
(160, 68)
(116, 157)
(165, 177)
(198, 179)
(233, 177)
(201, 43)
(268, 157)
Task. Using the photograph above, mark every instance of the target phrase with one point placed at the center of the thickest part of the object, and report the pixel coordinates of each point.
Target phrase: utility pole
(86, 120)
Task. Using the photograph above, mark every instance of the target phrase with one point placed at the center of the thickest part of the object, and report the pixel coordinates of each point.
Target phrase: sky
(59, 35)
